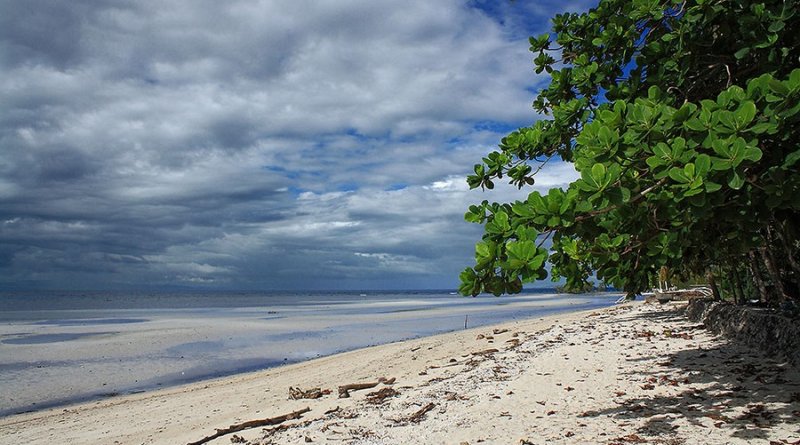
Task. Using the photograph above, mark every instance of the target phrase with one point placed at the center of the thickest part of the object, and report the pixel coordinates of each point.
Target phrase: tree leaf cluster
(681, 118)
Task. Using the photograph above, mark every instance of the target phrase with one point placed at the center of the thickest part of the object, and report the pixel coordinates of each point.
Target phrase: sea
(59, 348)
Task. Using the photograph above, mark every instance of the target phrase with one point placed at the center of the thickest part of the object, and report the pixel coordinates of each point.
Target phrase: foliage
(682, 119)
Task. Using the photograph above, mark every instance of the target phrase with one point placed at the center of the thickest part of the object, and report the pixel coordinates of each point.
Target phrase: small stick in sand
(486, 352)
(252, 424)
(313, 393)
(344, 390)
(381, 395)
(417, 416)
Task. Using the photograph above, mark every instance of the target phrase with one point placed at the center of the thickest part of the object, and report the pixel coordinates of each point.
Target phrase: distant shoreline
(92, 355)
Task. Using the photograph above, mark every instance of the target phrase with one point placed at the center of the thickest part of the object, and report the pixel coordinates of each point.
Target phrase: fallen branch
(313, 393)
(381, 395)
(486, 352)
(344, 390)
(251, 424)
(417, 416)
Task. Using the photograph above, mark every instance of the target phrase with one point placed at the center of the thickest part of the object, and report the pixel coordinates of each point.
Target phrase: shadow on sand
(737, 388)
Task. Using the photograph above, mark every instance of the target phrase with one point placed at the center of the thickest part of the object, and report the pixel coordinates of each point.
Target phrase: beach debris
(417, 416)
(631, 438)
(486, 351)
(332, 410)
(235, 428)
(313, 393)
(344, 390)
(238, 439)
(499, 331)
(380, 396)
(670, 334)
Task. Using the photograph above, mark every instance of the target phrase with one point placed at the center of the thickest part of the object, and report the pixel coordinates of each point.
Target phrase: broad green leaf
(791, 159)
(722, 147)
(742, 53)
(752, 154)
(702, 164)
(695, 124)
(678, 175)
(735, 180)
(745, 114)
(599, 173)
(778, 87)
(520, 253)
(499, 224)
(537, 202)
(523, 209)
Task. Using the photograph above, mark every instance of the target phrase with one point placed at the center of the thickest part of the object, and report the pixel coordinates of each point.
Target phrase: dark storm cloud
(259, 144)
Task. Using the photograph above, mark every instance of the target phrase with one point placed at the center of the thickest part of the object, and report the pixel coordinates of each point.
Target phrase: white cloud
(261, 143)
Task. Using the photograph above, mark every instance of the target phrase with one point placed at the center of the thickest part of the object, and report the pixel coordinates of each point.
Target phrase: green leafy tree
(682, 119)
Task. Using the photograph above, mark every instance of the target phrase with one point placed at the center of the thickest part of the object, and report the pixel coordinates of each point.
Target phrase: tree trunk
(787, 250)
(712, 282)
(756, 273)
(737, 286)
(774, 273)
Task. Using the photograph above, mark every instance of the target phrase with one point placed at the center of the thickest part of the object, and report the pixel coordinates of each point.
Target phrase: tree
(682, 119)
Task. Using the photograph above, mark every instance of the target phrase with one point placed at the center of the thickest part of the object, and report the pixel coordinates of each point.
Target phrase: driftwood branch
(344, 390)
(251, 424)
(417, 416)
(486, 352)
(313, 393)
(381, 395)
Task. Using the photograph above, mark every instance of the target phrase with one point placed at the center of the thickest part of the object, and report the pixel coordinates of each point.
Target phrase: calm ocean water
(62, 347)
(13, 303)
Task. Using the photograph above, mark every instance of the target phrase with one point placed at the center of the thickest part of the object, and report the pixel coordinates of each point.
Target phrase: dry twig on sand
(313, 393)
(251, 424)
(344, 390)
(417, 416)
(381, 395)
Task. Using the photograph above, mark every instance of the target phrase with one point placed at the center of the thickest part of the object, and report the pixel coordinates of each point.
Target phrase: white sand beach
(631, 374)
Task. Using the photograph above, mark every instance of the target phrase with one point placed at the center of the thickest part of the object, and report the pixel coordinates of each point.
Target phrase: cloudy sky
(255, 144)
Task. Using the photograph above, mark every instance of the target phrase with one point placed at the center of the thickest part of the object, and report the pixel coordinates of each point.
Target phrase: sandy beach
(630, 374)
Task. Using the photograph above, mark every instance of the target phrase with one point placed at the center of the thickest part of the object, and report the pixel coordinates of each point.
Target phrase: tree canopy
(681, 118)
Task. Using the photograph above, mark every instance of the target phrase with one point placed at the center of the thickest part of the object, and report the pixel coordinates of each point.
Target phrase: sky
(256, 145)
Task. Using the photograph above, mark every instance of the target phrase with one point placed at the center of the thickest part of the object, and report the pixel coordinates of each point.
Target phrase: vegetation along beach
(211, 217)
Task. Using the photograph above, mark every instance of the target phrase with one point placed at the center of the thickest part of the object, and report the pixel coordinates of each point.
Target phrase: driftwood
(486, 352)
(313, 393)
(379, 396)
(251, 424)
(344, 390)
(417, 416)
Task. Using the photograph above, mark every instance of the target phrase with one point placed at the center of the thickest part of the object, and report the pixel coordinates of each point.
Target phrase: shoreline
(582, 377)
(60, 361)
